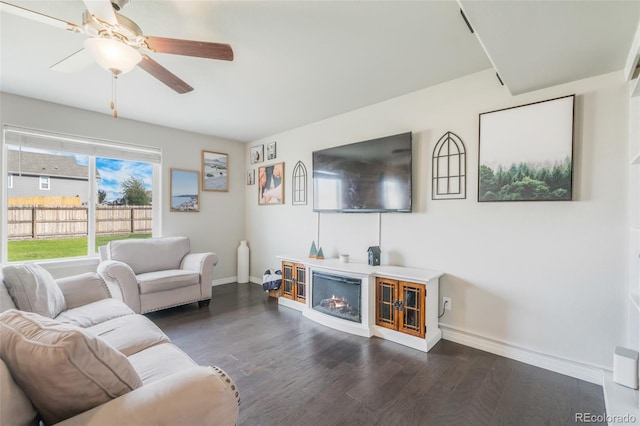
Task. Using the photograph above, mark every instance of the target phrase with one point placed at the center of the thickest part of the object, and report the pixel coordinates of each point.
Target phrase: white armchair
(157, 273)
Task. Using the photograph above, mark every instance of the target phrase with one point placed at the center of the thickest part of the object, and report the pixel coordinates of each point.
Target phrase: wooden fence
(68, 222)
(44, 201)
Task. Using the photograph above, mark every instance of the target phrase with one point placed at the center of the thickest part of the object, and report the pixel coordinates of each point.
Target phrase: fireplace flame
(338, 307)
(339, 302)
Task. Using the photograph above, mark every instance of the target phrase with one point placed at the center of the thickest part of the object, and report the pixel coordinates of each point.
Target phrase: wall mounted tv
(364, 177)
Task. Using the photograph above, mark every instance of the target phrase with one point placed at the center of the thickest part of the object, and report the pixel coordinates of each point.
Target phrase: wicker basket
(275, 293)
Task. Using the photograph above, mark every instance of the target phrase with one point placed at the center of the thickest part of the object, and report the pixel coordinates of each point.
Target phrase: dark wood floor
(292, 371)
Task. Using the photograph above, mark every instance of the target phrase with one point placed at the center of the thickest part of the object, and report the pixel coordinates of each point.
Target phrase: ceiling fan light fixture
(119, 4)
(112, 55)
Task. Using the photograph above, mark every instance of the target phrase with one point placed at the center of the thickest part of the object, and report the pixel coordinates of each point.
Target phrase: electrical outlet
(446, 301)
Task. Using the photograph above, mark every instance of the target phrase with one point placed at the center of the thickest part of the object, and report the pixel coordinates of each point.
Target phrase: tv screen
(364, 177)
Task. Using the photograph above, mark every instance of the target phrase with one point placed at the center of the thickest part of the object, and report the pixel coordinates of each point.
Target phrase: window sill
(74, 262)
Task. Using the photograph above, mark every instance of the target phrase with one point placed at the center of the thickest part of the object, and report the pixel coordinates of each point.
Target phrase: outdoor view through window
(54, 222)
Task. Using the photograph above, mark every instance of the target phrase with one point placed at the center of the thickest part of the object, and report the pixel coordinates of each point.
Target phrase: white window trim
(94, 148)
(45, 180)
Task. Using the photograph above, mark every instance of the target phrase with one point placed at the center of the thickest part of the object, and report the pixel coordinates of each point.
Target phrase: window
(10, 181)
(97, 191)
(44, 183)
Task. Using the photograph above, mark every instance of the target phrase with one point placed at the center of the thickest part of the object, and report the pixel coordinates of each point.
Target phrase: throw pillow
(15, 407)
(63, 369)
(33, 289)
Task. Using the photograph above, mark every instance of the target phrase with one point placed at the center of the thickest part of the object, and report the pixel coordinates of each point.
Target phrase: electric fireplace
(336, 295)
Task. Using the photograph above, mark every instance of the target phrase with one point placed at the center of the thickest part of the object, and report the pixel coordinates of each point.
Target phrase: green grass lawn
(58, 248)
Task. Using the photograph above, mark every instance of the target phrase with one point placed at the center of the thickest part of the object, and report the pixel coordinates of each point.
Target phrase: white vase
(243, 262)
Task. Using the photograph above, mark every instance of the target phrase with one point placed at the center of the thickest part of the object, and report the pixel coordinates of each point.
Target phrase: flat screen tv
(364, 177)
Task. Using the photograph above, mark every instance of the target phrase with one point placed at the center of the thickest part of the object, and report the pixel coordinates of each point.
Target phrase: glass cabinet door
(412, 311)
(400, 306)
(385, 299)
(288, 280)
(301, 283)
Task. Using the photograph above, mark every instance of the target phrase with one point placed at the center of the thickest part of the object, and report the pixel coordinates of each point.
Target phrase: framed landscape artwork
(184, 190)
(526, 152)
(214, 171)
(271, 184)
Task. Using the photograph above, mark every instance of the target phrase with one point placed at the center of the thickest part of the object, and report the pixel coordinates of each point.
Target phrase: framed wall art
(526, 152)
(184, 190)
(271, 184)
(251, 177)
(214, 171)
(449, 168)
(299, 184)
(257, 154)
(271, 151)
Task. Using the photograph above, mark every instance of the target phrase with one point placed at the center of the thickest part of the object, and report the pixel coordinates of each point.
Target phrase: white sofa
(39, 350)
(157, 273)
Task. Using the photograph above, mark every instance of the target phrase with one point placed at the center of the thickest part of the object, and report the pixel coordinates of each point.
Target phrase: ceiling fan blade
(36, 16)
(164, 75)
(77, 61)
(200, 49)
(102, 10)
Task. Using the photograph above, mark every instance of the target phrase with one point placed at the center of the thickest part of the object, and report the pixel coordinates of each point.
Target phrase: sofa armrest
(203, 263)
(198, 395)
(122, 282)
(82, 289)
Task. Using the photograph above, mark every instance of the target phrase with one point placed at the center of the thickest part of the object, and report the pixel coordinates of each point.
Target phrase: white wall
(218, 227)
(550, 277)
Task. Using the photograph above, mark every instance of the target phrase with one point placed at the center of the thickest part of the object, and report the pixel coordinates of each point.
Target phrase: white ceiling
(297, 62)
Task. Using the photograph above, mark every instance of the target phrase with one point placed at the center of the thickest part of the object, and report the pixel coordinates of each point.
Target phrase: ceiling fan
(117, 43)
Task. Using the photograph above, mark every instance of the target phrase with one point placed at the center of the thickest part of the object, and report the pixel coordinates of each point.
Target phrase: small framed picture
(214, 171)
(184, 192)
(251, 177)
(271, 184)
(257, 154)
(271, 151)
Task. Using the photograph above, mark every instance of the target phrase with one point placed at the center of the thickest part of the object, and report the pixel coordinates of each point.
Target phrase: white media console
(367, 327)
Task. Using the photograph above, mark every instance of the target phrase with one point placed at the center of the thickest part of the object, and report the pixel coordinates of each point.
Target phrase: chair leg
(203, 303)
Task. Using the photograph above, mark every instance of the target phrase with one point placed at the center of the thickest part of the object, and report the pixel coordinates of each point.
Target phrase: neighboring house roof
(33, 163)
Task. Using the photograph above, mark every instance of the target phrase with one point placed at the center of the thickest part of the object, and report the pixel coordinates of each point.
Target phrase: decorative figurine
(373, 255)
(313, 253)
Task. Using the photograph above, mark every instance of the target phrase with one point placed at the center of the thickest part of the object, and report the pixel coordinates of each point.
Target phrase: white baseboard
(571, 368)
(621, 402)
(222, 281)
(234, 279)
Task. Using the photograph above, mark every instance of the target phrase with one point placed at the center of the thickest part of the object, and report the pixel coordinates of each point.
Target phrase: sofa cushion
(82, 289)
(129, 334)
(15, 407)
(149, 369)
(94, 313)
(63, 369)
(150, 254)
(6, 301)
(152, 282)
(33, 289)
